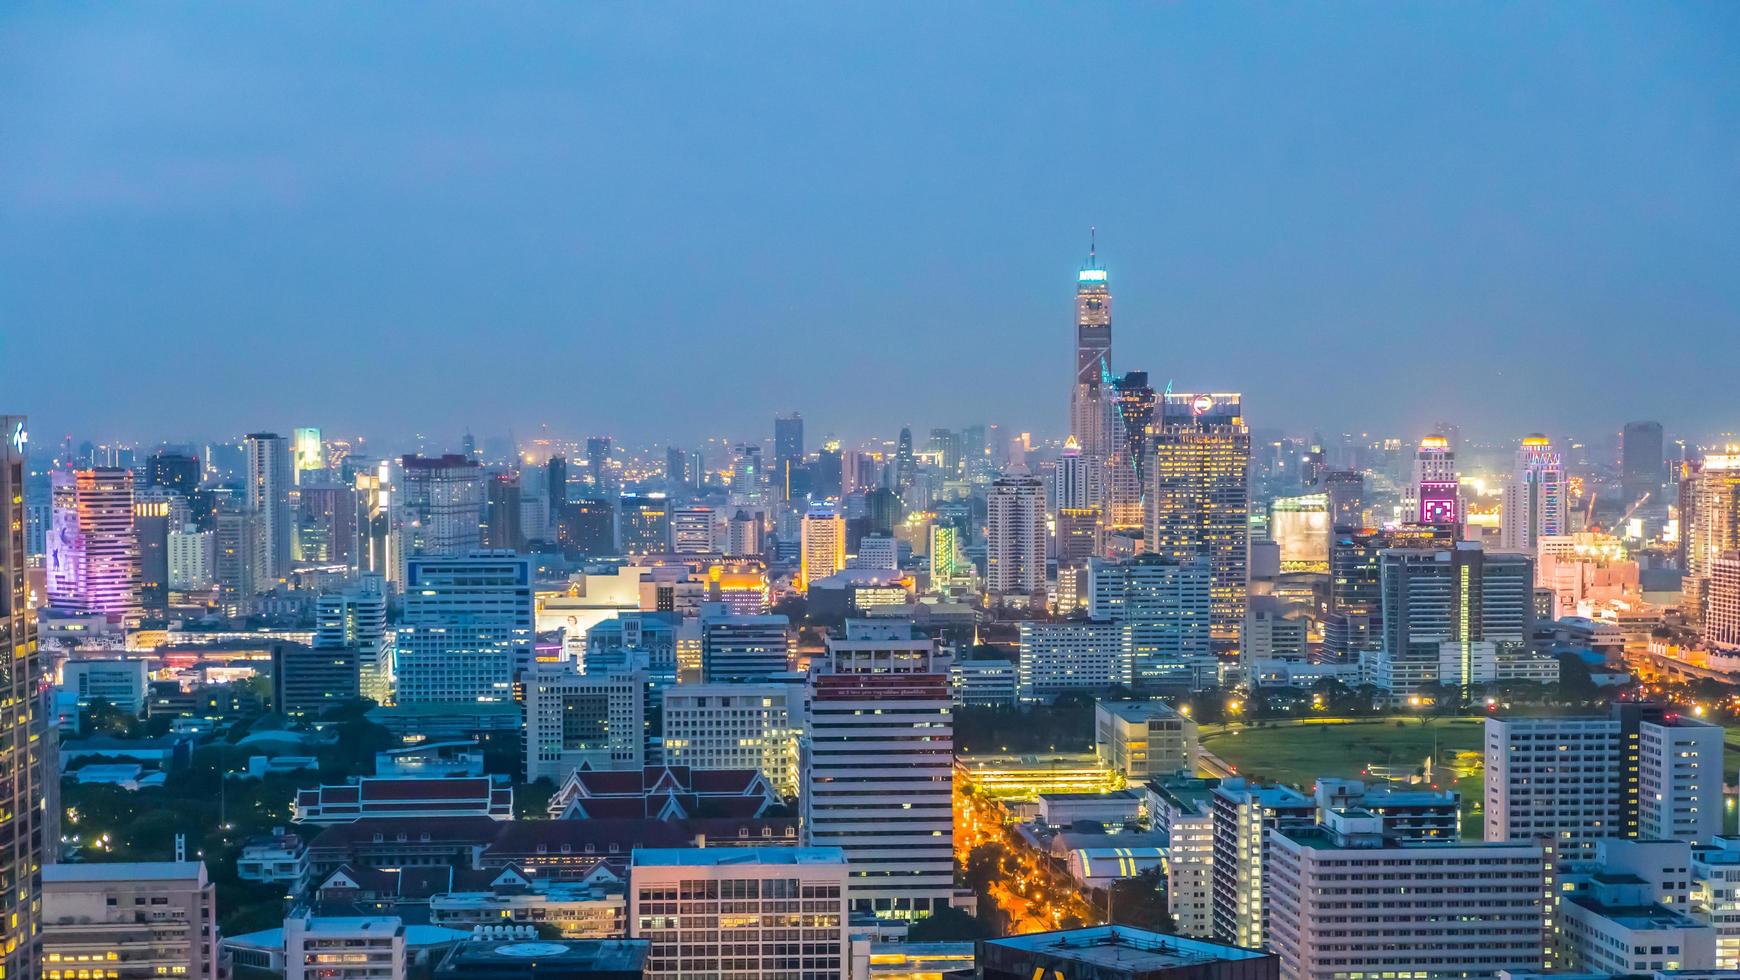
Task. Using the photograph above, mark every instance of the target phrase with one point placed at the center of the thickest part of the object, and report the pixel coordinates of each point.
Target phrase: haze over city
(673, 222)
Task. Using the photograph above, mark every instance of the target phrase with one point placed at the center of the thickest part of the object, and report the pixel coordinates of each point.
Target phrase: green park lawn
(1297, 753)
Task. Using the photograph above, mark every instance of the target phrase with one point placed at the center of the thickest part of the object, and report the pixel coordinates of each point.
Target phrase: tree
(947, 925)
(1141, 902)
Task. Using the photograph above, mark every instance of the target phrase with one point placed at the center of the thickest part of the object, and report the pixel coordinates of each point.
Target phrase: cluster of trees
(1064, 726)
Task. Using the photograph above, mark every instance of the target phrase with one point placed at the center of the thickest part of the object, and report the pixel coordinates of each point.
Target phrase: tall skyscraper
(1534, 501)
(153, 508)
(1200, 501)
(1346, 490)
(1448, 614)
(1088, 418)
(598, 465)
(269, 482)
(326, 532)
(824, 543)
(468, 627)
(556, 481)
(788, 451)
(1070, 487)
(308, 456)
(502, 526)
(692, 530)
(177, 472)
(1165, 604)
(905, 464)
(443, 504)
(1434, 495)
(878, 772)
(1640, 465)
(946, 444)
(21, 775)
(1710, 525)
(677, 482)
(1015, 538)
(93, 551)
(1127, 468)
(644, 523)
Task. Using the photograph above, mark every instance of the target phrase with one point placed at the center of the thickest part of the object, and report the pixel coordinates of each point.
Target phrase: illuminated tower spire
(1089, 416)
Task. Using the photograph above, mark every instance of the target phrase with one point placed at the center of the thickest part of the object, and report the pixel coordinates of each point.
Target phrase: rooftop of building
(353, 923)
(675, 857)
(1637, 917)
(1123, 948)
(589, 955)
(1113, 796)
(1137, 711)
(123, 871)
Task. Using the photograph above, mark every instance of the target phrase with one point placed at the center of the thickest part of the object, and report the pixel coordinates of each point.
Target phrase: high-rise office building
(556, 481)
(788, 451)
(692, 530)
(1449, 614)
(173, 471)
(878, 772)
(356, 619)
(946, 445)
(677, 478)
(504, 519)
(307, 456)
(307, 682)
(1167, 605)
(93, 551)
(21, 724)
(1641, 460)
(377, 546)
(1126, 471)
(1722, 604)
(238, 542)
(1015, 538)
(740, 912)
(823, 550)
(191, 559)
(1679, 780)
(1710, 527)
(269, 482)
(468, 627)
(326, 532)
(153, 514)
(905, 463)
(743, 647)
(592, 720)
(644, 523)
(1245, 816)
(1345, 894)
(1346, 491)
(442, 505)
(598, 470)
(1534, 501)
(736, 726)
(129, 921)
(1434, 494)
(1089, 420)
(1200, 501)
(1070, 488)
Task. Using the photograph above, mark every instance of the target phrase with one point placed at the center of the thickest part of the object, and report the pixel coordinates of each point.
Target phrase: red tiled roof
(711, 781)
(457, 830)
(522, 837)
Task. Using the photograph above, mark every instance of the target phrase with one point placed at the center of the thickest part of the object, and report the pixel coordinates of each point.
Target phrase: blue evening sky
(672, 220)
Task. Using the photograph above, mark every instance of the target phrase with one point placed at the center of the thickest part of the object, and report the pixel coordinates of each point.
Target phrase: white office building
(1679, 780)
(740, 912)
(692, 530)
(357, 620)
(1535, 501)
(1015, 538)
(1183, 807)
(192, 559)
(1167, 606)
(878, 552)
(1715, 895)
(878, 771)
(1617, 926)
(736, 726)
(122, 683)
(575, 719)
(1055, 657)
(468, 627)
(988, 683)
(1244, 814)
(344, 948)
(1345, 899)
(822, 543)
(128, 921)
(1554, 778)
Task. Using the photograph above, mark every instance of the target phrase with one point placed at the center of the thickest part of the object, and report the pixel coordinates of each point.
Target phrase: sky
(670, 221)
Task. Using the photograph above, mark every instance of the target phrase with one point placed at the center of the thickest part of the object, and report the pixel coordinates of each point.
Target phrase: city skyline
(1530, 195)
